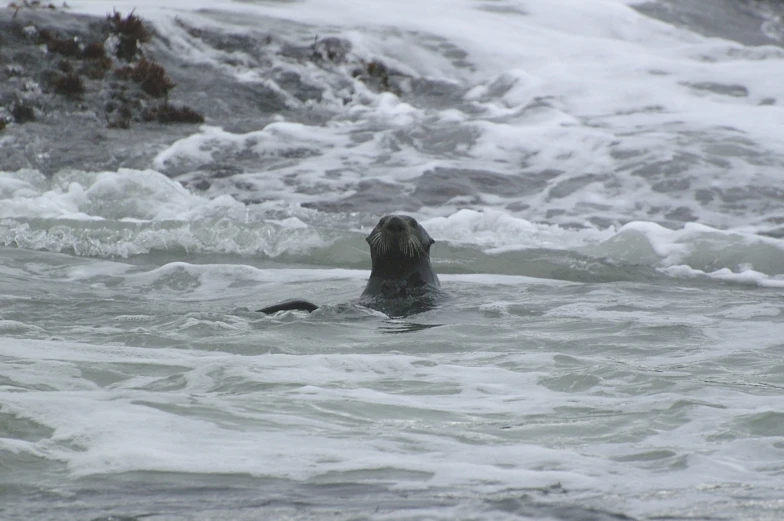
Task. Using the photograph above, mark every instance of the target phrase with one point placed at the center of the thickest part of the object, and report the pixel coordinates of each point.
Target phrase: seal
(402, 281)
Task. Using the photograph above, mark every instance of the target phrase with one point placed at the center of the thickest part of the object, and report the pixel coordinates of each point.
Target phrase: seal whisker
(379, 241)
(373, 241)
(411, 246)
(418, 246)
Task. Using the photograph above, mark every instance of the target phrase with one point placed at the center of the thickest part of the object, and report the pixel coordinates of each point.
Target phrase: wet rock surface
(749, 22)
(101, 93)
(66, 102)
(440, 185)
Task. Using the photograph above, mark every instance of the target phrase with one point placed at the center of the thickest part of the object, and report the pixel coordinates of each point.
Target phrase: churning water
(604, 184)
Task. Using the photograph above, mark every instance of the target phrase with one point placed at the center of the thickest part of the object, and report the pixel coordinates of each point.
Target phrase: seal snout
(395, 225)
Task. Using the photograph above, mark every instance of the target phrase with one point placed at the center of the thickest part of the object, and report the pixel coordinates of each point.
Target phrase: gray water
(518, 397)
(603, 185)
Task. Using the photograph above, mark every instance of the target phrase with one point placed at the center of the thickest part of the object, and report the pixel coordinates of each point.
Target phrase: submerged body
(402, 281)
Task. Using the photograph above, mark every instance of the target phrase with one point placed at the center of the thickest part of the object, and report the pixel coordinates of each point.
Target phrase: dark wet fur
(402, 281)
(289, 305)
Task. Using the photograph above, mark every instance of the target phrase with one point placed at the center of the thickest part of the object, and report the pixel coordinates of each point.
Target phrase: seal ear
(432, 241)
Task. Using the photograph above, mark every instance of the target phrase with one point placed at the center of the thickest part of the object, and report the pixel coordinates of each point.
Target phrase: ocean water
(605, 184)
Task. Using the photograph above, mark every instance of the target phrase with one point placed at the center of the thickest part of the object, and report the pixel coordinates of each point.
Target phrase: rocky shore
(92, 93)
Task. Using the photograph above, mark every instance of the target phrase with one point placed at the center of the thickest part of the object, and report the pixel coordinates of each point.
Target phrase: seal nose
(395, 225)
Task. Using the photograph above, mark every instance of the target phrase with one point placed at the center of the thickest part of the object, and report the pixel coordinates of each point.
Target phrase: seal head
(400, 255)
(402, 281)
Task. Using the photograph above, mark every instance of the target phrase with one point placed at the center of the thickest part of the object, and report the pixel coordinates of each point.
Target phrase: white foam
(496, 232)
(696, 245)
(511, 280)
(743, 276)
(135, 212)
(143, 195)
(647, 393)
(670, 124)
(357, 420)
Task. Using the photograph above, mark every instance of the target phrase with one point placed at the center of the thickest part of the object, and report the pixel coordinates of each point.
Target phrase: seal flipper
(289, 305)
